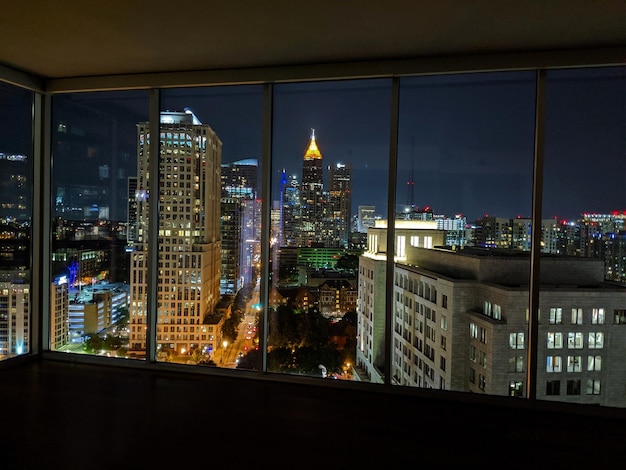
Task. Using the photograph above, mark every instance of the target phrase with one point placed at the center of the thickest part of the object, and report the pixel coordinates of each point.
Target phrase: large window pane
(209, 226)
(16, 163)
(584, 232)
(94, 197)
(329, 184)
(462, 232)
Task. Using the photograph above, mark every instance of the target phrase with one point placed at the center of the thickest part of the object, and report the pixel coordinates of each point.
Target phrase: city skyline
(461, 158)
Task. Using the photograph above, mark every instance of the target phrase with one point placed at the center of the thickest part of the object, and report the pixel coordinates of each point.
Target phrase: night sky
(466, 141)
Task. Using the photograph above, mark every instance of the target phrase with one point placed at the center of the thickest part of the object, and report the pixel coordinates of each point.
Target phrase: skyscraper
(189, 243)
(238, 223)
(312, 202)
(289, 210)
(340, 204)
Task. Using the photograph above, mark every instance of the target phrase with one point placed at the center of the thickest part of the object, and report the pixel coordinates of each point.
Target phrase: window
(574, 364)
(320, 186)
(401, 247)
(597, 316)
(99, 192)
(16, 164)
(437, 152)
(593, 387)
(482, 382)
(483, 335)
(594, 363)
(596, 340)
(516, 389)
(556, 317)
(516, 340)
(619, 316)
(472, 376)
(553, 364)
(497, 312)
(555, 340)
(573, 387)
(516, 364)
(482, 358)
(553, 387)
(574, 340)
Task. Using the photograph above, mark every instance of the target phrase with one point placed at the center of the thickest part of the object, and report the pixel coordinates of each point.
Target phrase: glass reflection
(462, 232)
(209, 230)
(16, 163)
(329, 185)
(94, 197)
(583, 237)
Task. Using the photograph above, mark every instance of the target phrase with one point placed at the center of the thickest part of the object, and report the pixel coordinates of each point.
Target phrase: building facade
(460, 322)
(188, 280)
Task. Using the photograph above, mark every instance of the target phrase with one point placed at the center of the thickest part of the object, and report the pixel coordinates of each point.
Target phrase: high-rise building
(312, 198)
(59, 307)
(289, 210)
(14, 319)
(189, 246)
(461, 323)
(340, 204)
(238, 223)
(131, 218)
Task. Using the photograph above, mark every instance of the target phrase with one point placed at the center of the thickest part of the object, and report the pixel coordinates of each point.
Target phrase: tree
(93, 343)
(229, 328)
(348, 262)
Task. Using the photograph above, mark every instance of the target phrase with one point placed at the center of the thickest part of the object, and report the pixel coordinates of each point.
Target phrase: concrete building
(188, 233)
(460, 322)
(14, 319)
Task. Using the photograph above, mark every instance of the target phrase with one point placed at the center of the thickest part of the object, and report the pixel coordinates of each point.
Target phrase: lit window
(556, 316)
(516, 340)
(574, 364)
(574, 340)
(594, 363)
(596, 340)
(597, 316)
(593, 387)
(553, 364)
(555, 340)
(515, 389)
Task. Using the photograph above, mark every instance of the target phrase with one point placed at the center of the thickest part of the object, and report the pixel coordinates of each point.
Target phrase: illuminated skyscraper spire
(312, 152)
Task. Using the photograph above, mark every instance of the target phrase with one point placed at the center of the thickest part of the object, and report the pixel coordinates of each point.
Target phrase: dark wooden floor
(66, 415)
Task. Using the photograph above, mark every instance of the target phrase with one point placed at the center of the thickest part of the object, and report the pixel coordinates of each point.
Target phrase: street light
(224, 344)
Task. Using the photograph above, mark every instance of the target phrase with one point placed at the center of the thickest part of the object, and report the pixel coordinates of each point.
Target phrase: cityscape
(460, 283)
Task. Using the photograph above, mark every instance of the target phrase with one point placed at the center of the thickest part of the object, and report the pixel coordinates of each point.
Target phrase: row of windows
(553, 387)
(574, 363)
(575, 340)
(595, 340)
(576, 318)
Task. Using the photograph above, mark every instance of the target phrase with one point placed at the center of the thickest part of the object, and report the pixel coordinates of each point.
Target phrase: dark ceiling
(77, 38)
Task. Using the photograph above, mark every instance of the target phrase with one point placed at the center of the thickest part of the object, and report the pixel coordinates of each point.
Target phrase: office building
(188, 233)
(461, 322)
